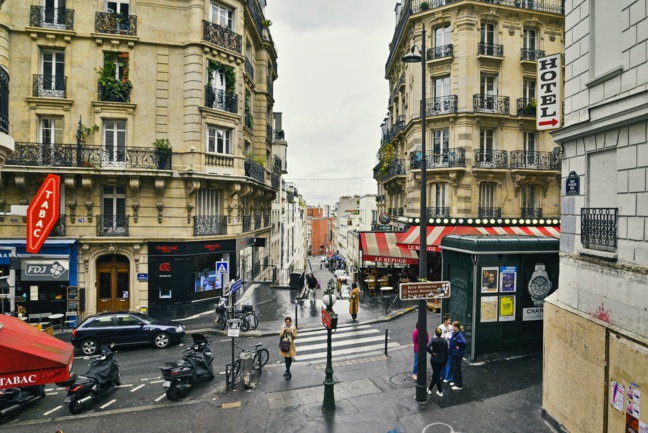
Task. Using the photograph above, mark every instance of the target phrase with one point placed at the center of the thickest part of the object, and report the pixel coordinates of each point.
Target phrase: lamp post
(421, 381)
(329, 320)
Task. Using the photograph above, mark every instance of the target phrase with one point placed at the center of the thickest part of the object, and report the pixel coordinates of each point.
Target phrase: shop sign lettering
(43, 213)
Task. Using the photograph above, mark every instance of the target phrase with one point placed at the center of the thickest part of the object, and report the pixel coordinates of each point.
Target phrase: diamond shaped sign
(43, 213)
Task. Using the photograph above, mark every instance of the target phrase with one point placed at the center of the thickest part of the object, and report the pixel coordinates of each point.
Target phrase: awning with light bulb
(382, 247)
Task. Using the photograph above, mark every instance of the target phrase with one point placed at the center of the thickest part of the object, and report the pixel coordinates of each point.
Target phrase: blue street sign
(222, 267)
(236, 286)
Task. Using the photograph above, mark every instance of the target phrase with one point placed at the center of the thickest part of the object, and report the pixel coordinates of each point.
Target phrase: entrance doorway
(113, 290)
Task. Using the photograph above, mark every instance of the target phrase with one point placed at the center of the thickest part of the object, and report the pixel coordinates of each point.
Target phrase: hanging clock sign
(384, 218)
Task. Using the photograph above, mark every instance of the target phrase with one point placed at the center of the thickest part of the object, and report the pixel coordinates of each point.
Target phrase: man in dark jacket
(438, 348)
(311, 283)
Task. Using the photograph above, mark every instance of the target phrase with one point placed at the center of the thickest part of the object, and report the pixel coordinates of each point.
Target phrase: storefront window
(207, 283)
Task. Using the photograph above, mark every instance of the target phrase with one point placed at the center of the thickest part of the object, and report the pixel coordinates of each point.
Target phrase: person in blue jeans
(415, 334)
(457, 352)
(446, 333)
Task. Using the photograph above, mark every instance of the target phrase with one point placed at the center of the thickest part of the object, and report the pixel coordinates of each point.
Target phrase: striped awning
(383, 247)
(412, 241)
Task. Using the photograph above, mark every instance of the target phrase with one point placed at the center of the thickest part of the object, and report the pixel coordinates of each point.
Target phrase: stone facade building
(596, 326)
(158, 118)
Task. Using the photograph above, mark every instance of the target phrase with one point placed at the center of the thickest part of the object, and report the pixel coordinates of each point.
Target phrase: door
(113, 291)
(53, 74)
(130, 330)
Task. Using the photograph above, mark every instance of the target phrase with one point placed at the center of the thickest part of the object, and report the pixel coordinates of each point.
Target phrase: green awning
(500, 244)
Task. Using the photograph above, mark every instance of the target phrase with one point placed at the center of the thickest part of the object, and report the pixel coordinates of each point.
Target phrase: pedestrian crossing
(347, 342)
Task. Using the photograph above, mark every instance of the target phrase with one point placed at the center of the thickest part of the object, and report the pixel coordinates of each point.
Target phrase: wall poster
(488, 309)
(617, 395)
(508, 278)
(490, 280)
(506, 308)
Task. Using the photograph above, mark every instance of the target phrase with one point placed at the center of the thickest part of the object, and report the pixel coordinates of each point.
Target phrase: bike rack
(228, 372)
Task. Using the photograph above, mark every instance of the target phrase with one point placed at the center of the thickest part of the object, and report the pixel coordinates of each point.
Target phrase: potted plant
(163, 152)
(425, 6)
(266, 23)
(112, 88)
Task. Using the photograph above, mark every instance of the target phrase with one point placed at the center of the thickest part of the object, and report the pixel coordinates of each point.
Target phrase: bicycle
(249, 319)
(261, 357)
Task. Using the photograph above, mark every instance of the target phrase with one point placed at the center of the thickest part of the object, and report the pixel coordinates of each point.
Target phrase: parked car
(345, 292)
(125, 329)
(340, 272)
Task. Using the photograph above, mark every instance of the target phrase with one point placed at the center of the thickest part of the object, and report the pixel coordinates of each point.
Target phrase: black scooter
(102, 376)
(13, 399)
(196, 363)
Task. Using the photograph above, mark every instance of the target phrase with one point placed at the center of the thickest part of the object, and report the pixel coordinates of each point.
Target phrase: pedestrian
(438, 350)
(311, 283)
(288, 333)
(446, 334)
(415, 334)
(457, 351)
(354, 301)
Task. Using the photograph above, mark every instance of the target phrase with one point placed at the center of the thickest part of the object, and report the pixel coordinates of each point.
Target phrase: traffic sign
(43, 213)
(425, 290)
(222, 267)
(236, 286)
(329, 320)
(233, 327)
(549, 104)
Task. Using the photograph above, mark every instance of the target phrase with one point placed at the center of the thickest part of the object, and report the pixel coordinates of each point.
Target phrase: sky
(331, 91)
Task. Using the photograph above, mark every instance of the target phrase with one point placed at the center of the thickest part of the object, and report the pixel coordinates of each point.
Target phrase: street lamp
(421, 381)
(329, 320)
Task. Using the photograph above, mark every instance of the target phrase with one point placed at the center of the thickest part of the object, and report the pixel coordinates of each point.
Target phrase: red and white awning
(411, 239)
(383, 247)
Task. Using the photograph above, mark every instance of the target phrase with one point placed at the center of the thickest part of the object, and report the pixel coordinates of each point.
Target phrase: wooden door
(113, 291)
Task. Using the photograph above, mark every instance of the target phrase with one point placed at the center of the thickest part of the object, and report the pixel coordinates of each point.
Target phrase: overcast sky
(331, 91)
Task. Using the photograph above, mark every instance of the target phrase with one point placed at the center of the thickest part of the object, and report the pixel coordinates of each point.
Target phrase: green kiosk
(498, 286)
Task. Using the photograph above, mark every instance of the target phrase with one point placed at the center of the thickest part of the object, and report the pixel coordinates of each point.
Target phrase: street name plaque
(425, 290)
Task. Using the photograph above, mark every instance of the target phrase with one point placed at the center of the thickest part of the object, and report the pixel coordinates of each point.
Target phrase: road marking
(51, 393)
(108, 404)
(340, 343)
(125, 386)
(161, 397)
(136, 388)
(157, 381)
(53, 410)
(231, 405)
(353, 350)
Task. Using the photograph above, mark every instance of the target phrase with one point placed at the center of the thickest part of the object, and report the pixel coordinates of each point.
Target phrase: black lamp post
(421, 381)
(330, 322)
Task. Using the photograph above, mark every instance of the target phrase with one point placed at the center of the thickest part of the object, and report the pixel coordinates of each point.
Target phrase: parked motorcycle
(102, 376)
(196, 363)
(13, 399)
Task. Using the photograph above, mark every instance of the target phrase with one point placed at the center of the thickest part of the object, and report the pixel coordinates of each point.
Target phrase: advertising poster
(488, 309)
(507, 278)
(490, 280)
(506, 308)
(617, 395)
(633, 401)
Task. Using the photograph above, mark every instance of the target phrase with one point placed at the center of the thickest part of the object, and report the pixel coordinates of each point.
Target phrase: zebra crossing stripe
(339, 343)
(342, 352)
(323, 337)
(338, 331)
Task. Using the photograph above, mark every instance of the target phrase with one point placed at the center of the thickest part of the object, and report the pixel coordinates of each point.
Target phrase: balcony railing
(257, 222)
(247, 223)
(59, 227)
(249, 120)
(531, 54)
(266, 220)
(526, 107)
(254, 170)
(491, 159)
(489, 212)
(116, 92)
(4, 124)
(438, 212)
(277, 163)
(491, 104)
(441, 105)
(257, 15)
(599, 226)
(51, 18)
(49, 86)
(116, 24)
(210, 225)
(531, 212)
(495, 50)
(112, 225)
(88, 156)
(269, 132)
(534, 160)
(453, 157)
(221, 36)
(249, 69)
(270, 85)
(279, 134)
(396, 168)
(221, 100)
(275, 180)
(439, 52)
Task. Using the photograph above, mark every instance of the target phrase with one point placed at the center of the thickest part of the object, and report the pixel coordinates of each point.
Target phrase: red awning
(382, 247)
(29, 356)
(412, 241)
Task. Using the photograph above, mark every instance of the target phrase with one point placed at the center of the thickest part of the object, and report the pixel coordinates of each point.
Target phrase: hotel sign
(549, 104)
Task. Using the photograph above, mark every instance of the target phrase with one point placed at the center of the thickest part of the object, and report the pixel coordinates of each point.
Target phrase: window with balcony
(487, 207)
(51, 82)
(209, 219)
(118, 7)
(51, 134)
(442, 101)
(529, 46)
(218, 140)
(487, 42)
(114, 84)
(438, 200)
(529, 197)
(442, 46)
(113, 211)
(486, 145)
(527, 104)
(488, 93)
(53, 14)
(440, 146)
(222, 15)
(114, 143)
(4, 101)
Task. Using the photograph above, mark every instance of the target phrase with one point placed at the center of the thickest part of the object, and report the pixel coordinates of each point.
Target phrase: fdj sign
(43, 213)
(549, 105)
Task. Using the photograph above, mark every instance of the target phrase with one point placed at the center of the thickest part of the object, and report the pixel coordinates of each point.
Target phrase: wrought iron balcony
(599, 226)
(247, 222)
(210, 225)
(279, 134)
(531, 212)
(257, 15)
(491, 104)
(257, 222)
(269, 132)
(49, 86)
(491, 159)
(439, 52)
(489, 212)
(254, 170)
(221, 100)
(112, 225)
(88, 156)
(531, 54)
(441, 105)
(526, 107)
(270, 85)
(51, 18)
(59, 227)
(118, 91)
(4, 124)
(277, 163)
(275, 180)
(534, 160)
(437, 212)
(116, 24)
(221, 36)
(249, 69)
(396, 168)
(453, 157)
(249, 120)
(4, 100)
(266, 220)
(495, 50)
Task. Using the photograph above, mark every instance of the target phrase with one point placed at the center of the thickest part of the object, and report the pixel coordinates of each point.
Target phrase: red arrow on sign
(551, 122)
(43, 213)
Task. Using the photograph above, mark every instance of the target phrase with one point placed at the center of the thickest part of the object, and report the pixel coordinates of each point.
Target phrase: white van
(340, 272)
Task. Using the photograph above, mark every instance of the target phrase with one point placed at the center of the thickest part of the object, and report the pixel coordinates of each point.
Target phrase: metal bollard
(296, 317)
(386, 337)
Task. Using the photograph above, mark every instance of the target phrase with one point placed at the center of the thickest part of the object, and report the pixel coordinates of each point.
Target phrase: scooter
(13, 399)
(196, 363)
(102, 376)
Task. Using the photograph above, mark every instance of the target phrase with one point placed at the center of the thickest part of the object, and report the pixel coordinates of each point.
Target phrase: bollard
(386, 336)
(296, 327)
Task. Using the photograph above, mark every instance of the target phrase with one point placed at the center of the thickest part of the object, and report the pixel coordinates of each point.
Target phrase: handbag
(284, 345)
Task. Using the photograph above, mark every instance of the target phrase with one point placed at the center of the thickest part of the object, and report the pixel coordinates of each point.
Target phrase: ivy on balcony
(114, 86)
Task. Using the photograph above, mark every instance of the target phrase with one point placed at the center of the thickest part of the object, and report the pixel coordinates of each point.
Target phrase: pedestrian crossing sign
(222, 267)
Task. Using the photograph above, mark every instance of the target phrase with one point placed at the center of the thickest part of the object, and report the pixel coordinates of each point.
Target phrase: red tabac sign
(43, 213)
(326, 319)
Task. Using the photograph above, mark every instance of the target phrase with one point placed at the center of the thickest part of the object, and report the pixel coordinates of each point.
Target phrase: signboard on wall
(549, 103)
(43, 213)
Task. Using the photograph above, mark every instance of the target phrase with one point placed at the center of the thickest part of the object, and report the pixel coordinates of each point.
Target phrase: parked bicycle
(247, 316)
(261, 356)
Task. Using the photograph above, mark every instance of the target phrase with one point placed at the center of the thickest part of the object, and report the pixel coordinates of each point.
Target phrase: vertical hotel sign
(549, 104)
(43, 213)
